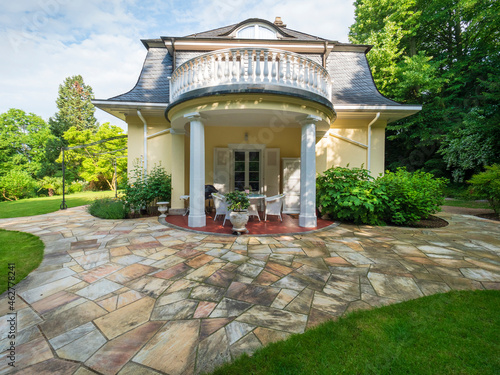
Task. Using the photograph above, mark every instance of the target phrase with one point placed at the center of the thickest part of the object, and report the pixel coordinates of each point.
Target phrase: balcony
(250, 70)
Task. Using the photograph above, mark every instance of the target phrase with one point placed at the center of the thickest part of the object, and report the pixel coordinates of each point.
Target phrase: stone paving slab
(135, 297)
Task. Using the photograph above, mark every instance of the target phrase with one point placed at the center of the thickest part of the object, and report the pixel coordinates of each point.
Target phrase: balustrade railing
(250, 66)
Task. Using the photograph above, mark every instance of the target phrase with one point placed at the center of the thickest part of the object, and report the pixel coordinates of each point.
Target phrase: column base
(306, 221)
(197, 221)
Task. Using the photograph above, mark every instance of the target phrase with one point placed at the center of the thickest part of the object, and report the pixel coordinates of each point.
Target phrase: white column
(307, 216)
(196, 171)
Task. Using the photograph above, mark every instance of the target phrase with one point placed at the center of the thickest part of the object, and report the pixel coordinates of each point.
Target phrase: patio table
(257, 200)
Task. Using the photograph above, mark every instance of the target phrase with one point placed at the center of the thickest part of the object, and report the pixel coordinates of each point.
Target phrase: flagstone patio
(136, 297)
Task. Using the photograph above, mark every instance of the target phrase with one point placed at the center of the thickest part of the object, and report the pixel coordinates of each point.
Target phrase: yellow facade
(343, 144)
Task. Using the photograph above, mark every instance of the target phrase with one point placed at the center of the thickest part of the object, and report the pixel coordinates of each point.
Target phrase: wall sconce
(246, 137)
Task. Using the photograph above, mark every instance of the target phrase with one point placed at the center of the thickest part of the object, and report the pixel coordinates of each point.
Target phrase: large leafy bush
(398, 197)
(17, 184)
(487, 184)
(350, 194)
(412, 195)
(142, 192)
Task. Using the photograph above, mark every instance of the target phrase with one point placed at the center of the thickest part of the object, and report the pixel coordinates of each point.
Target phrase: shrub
(53, 185)
(350, 194)
(158, 185)
(77, 186)
(15, 185)
(487, 184)
(141, 192)
(237, 201)
(412, 196)
(108, 208)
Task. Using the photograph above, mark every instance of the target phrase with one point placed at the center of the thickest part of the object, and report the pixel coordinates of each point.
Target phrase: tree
(16, 184)
(23, 137)
(443, 54)
(97, 161)
(75, 107)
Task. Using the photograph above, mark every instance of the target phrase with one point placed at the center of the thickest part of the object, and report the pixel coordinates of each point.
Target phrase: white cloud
(45, 41)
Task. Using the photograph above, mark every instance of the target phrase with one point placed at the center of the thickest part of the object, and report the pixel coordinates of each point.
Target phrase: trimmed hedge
(108, 208)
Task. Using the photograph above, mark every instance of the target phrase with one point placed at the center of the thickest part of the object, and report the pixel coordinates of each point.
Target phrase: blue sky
(45, 41)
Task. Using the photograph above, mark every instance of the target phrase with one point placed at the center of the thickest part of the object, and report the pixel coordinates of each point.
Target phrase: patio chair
(185, 198)
(252, 209)
(274, 206)
(220, 207)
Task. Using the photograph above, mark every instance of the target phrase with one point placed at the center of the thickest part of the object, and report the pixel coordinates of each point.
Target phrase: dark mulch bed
(431, 222)
(491, 216)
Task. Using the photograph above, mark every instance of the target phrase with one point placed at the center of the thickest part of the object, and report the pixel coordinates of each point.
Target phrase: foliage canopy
(444, 54)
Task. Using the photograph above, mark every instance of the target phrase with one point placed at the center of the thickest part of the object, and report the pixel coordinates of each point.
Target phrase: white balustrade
(250, 66)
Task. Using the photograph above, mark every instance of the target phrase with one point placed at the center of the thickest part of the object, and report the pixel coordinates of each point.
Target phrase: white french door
(247, 170)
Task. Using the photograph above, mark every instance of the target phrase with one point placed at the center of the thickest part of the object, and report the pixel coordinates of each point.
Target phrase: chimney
(278, 22)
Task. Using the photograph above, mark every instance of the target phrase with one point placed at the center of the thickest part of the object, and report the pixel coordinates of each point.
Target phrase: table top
(256, 196)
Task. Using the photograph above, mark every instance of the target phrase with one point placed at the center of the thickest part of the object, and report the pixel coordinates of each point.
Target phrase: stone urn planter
(238, 203)
(239, 219)
(163, 207)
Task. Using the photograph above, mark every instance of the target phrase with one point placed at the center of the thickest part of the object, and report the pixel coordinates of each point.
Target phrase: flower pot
(239, 219)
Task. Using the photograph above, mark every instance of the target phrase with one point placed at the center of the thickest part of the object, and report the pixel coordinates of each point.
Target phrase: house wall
(158, 147)
(286, 139)
(331, 151)
(167, 148)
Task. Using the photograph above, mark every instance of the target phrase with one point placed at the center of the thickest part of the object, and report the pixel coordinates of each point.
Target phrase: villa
(254, 105)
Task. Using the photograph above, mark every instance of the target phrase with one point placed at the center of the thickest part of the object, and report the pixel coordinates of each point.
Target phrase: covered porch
(244, 142)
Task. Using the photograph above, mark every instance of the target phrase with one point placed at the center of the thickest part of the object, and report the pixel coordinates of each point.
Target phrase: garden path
(136, 297)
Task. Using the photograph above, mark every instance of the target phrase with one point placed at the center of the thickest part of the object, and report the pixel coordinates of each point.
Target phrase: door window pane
(239, 156)
(253, 166)
(254, 186)
(253, 155)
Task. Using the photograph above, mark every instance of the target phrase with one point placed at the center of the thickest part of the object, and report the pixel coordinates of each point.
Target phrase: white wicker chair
(274, 206)
(220, 207)
(185, 198)
(252, 209)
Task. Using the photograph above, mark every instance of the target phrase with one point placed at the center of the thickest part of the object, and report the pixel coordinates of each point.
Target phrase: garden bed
(431, 222)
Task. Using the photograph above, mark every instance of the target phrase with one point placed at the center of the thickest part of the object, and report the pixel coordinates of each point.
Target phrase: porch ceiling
(248, 117)
(250, 110)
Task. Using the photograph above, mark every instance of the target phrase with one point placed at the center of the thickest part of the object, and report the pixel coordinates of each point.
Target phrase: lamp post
(63, 205)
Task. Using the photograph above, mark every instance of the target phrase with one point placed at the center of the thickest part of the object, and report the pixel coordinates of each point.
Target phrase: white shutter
(291, 185)
(271, 171)
(222, 169)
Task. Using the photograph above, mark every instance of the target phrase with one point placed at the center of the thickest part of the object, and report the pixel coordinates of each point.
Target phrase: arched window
(256, 32)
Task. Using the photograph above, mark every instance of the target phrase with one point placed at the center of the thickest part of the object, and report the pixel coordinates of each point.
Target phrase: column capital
(310, 119)
(177, 131)
(193, 116)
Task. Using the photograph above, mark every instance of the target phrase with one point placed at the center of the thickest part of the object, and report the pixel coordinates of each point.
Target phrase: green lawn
(38, 206)
(21, 252)
(453, 333)
(466, 203)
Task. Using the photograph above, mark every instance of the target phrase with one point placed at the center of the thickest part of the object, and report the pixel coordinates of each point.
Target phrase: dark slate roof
(353, 81)
(222, 32)
(153, 85)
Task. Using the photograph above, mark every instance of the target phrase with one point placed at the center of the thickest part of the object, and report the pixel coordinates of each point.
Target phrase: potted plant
(238, 203)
